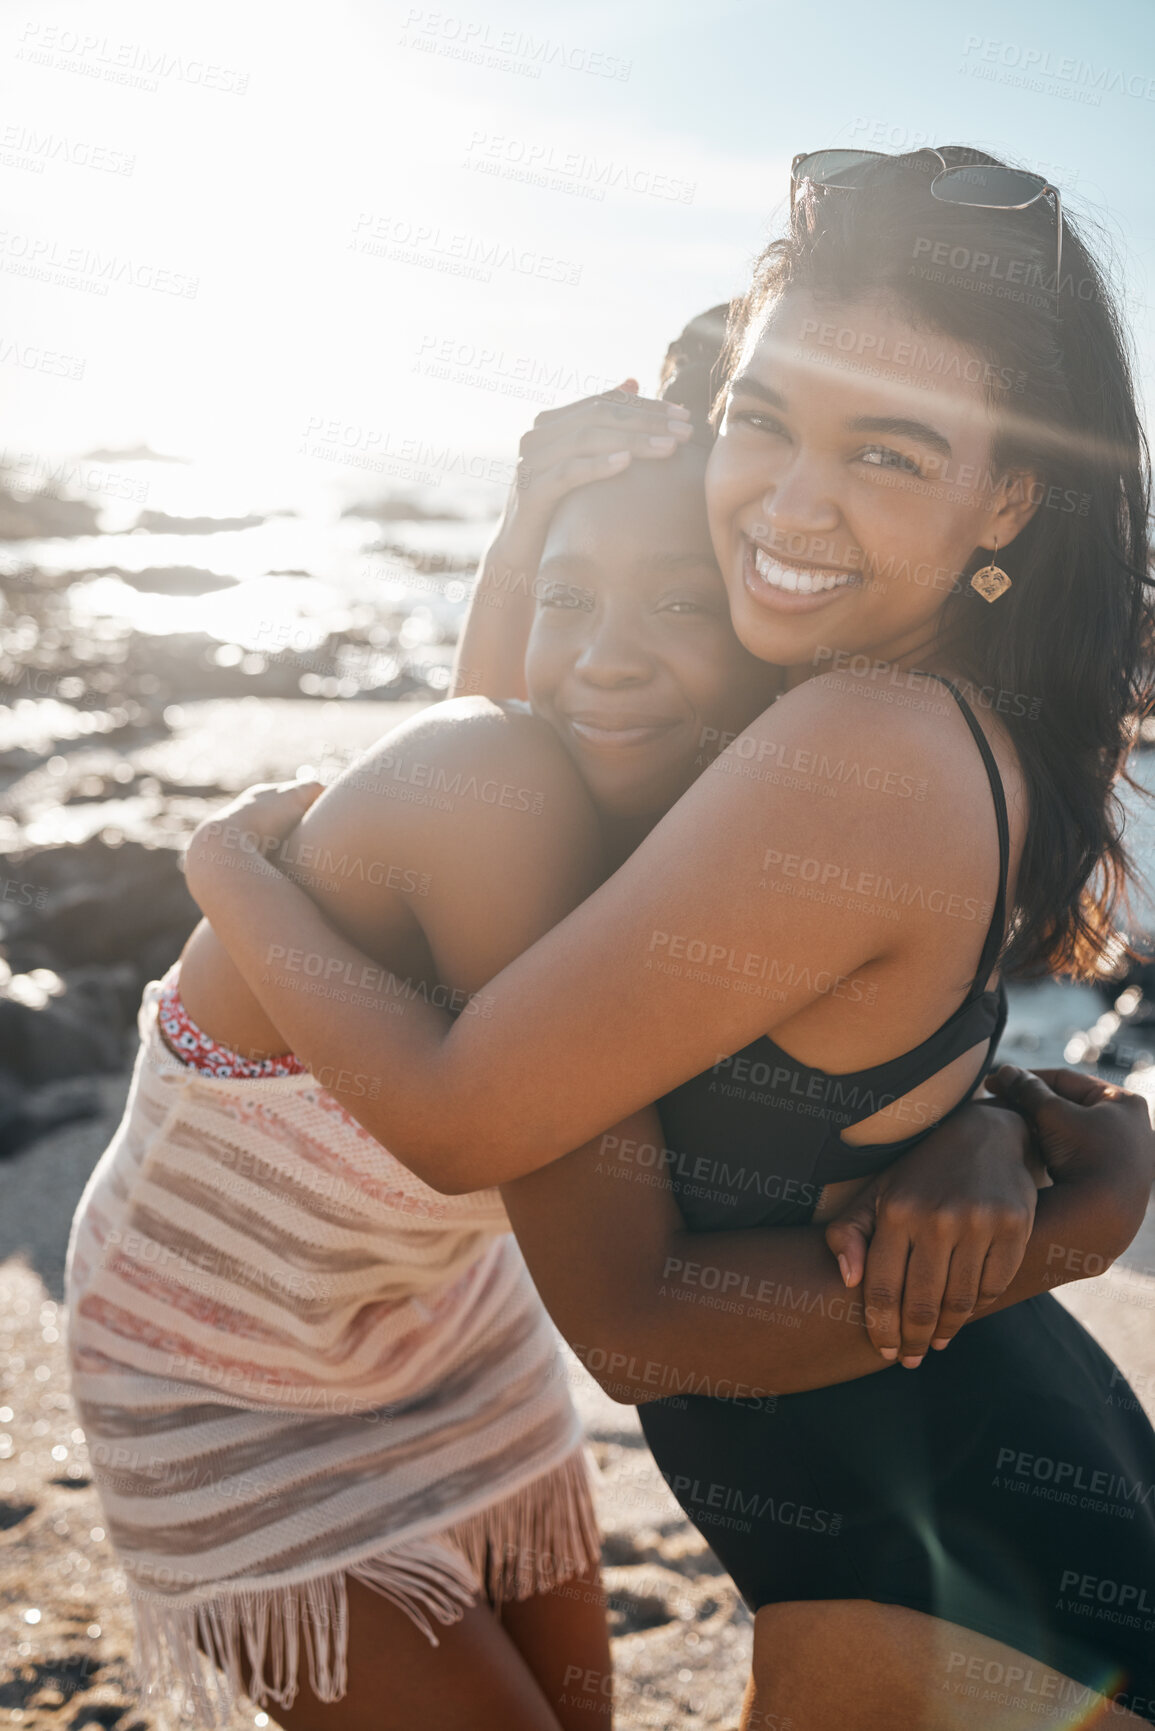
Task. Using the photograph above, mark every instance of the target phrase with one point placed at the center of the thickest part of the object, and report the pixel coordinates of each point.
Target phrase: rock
(98, 904)
(27, 1114)
(56, 1040)
(103, 921)
(167, 579)
(138, 453)
(400, 510)
(31, 516)
(160, 523)
(18, 760)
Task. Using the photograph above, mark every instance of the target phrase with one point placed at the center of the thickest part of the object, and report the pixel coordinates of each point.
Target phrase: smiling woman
(828, 544)
(960, 415)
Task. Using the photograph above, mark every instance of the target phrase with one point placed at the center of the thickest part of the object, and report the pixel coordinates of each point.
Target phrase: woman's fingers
(1003, 1261)
(924, 1292)
(982, 1266)
(1086, 1090)
(268, 811)
(647, 438)
(617, 414)
(609, 407)
(883, 1283)
(964, 1283)
(617, 427)
(849, 1234)
(595, 456)
(1033, 1090)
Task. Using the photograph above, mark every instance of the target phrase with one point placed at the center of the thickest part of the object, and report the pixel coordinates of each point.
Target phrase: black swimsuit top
(752, 1141)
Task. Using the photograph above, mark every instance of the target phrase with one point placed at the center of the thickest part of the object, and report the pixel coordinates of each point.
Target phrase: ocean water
(298, 572)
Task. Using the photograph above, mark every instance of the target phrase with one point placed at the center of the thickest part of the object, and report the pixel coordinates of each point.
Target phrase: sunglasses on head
(981, 185)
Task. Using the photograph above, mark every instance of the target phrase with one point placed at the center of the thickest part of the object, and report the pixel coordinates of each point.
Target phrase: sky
(368, 242)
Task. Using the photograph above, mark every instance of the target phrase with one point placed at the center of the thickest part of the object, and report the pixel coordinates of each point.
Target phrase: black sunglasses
(982, 185)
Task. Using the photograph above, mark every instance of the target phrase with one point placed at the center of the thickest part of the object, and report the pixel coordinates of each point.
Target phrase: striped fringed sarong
(295, 1363)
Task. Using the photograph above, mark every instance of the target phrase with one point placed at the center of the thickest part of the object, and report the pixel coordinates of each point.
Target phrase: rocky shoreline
(106, 764)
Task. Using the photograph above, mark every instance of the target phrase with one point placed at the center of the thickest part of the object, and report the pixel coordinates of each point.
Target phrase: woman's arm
(501, 875)
(654, 1310)
(566, 448)
(626, 1281)
(627, 997)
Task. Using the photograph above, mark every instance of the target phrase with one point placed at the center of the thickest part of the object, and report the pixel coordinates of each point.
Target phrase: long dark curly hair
(1071, 641)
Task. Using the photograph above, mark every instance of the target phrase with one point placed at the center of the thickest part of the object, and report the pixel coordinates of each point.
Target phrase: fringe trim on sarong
(542, 1535)
(530, 1542)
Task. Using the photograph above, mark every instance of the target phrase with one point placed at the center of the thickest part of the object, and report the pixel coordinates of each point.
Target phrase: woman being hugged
(931, 799)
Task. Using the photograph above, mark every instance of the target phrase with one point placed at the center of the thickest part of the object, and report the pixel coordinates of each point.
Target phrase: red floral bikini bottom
(197, 1049)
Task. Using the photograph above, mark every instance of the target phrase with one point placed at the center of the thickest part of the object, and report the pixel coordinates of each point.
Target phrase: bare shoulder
(495, 754)
(482, 803)
(470, 791)
(883, 730)
(851, 778)
(476, 812)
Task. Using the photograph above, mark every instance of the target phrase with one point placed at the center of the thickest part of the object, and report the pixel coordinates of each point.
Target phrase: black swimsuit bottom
(1007, 1485)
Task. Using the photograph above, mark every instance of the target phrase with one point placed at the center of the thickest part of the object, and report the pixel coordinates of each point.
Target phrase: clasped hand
(938, 1237)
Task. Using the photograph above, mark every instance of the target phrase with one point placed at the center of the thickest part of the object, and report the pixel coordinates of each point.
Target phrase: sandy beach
(681, 1635)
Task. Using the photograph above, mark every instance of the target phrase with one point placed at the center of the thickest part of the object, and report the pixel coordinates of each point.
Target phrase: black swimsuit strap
(996, 931)
(981, 1014)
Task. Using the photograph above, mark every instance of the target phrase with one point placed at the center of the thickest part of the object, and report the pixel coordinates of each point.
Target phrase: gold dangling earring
(991, 581)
